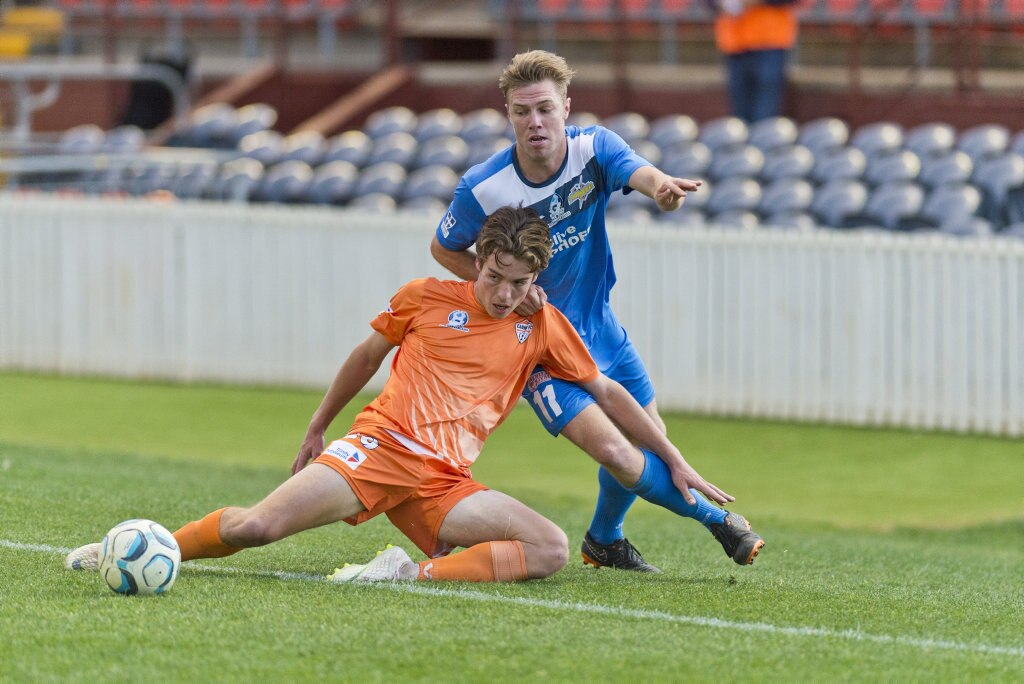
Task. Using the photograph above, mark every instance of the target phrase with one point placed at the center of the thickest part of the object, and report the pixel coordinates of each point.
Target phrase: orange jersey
(458, 372)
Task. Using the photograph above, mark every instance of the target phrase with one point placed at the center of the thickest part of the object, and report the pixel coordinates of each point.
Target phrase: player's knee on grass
(547, 551)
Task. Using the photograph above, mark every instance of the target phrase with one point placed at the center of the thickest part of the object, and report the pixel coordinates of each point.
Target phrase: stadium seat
(740, 160)
(951, 202)
(743, 194)
(304, 146)
(736, 219)
(483, 149)
(145, 177)
(375, 202)
(1001, 179)
(124, 140)
(726, 131)
(648, 150)
(930, 139)
(351, 146)
(194, 182)
(1015, 230)
(437, 122)
(383, 177)
(628, 214)
(786, 196)
(878, 138)
(437, 181)
(772, 133)
(400, 148)
(823, 134)
(213, 125)
(838, 202)
(686, 160)
(333, 183)
(1017, 144)
(967, 227)
(425, 206)
(838, 163)
(265, 147)
(236, 181)
(582, 119)
(894, 205)
(253, 118)
(952, 166)
(984, 141)
(82, 139)
(449, 150)
(286, 182)
(672, 130)
(391, 120)
(630, 126)
(789, 161)
(890, 167)
(483, 124)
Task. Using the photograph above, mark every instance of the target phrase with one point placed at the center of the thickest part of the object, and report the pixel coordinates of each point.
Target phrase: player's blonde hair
(519, 232)
(535, 66)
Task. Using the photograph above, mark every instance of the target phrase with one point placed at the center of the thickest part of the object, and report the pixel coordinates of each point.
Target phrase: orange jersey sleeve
(394, 322)
(565, 356)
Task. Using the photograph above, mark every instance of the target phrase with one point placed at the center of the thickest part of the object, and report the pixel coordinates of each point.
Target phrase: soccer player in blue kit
(567, 174)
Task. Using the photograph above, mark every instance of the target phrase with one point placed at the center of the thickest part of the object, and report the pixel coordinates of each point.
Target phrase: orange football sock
(499, 561)
(201, 538)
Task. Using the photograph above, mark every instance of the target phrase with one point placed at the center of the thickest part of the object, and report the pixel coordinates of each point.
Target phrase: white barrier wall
(862, 327)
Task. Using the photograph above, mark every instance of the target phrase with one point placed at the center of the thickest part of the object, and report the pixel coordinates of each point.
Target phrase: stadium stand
(823, 134)
(770, 134)
(789, 161)
(333, 183)
(838, 163)
(738, 160)
(951, 166)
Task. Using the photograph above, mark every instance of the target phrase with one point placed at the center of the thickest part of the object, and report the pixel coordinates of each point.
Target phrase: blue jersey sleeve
(461, 224)
(618, 160)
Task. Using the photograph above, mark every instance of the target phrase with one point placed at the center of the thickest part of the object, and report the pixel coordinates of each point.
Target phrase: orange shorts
(416, 491)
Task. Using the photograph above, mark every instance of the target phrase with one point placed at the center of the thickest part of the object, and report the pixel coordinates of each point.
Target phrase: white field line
(597, 609)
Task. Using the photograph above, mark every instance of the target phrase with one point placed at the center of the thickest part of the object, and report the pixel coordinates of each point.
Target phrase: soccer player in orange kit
(463, 359)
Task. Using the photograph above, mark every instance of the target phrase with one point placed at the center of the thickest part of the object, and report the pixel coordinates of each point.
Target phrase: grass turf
(912, 541)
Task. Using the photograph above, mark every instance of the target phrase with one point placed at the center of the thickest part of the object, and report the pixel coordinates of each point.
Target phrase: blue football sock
(655, 485)
(613, 500)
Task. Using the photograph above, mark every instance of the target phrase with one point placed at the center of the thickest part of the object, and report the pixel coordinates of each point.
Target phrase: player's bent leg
(505, 540)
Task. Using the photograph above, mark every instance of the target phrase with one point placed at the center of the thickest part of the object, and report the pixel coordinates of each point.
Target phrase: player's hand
(312, 446)
(684, 477)
(670, 194)
(535, 300)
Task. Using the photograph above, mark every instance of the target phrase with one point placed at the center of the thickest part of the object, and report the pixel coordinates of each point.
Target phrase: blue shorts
(556, 402)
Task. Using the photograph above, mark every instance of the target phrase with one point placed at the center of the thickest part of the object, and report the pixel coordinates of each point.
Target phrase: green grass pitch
(891, 555)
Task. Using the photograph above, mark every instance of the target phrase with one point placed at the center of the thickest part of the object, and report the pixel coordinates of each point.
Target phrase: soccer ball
(139, 557)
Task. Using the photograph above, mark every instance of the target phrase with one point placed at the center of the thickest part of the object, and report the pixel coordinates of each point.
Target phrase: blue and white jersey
(580, 276)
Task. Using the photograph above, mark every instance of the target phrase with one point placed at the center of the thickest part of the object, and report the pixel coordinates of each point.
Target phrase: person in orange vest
(755, 36)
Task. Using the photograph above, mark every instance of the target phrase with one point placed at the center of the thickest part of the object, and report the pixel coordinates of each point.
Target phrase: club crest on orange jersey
(523, 330)
(457, 320)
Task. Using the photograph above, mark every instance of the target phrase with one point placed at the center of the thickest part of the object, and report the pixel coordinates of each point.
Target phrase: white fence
(861, 328)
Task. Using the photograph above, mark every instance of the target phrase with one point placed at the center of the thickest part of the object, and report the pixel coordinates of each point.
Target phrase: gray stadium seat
(375, 202)
(425, 206)
(351, 146)
(894, 205)
(482, 150)
(953, 201)
(305, 146)
(772, 133)
(286, 182)
(630, 126)
(333, 183)
(384, 177)
(740, 160)
(930, 139)
(582, 119)
(733, 194)
(788, 195)
(437, 122)
(390, 120)
(967, 227)
(736, 219)
(890, 167)
(984, 141)
(838, 202)
(213, 125)
(400, 148)
(253, 118)
(648, 150)
(449, 150)
(1001, 179)
(823, 134)
(195, 181)
(437, 181)
(789, 161)
(82, 139)
(1017, 144)
(483, 124)
(1015, 230)
(838, 163)
(726, 131)
(265, 147)
(687, 160)
(236, 181)
(952, 166)
(672, 130)
(878, 138)
(124, 140)
(144, 178)
(629, 214)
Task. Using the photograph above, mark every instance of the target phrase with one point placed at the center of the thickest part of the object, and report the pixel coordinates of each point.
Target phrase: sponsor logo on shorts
(523, 330)
(345, 452)
(457, 320)
(447, 223)
(537, 379)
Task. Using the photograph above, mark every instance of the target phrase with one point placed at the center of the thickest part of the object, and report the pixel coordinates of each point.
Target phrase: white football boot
(390, 565)
(84, 558)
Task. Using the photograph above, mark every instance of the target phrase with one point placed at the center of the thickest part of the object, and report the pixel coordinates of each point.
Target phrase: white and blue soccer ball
(139, 557)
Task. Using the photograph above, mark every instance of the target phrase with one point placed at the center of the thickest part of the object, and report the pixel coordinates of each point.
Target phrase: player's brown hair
(528, 68)
(518, 231)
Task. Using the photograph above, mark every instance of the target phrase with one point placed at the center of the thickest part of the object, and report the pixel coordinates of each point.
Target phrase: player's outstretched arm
(622, 408)
(666, 191)
(359, 367)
